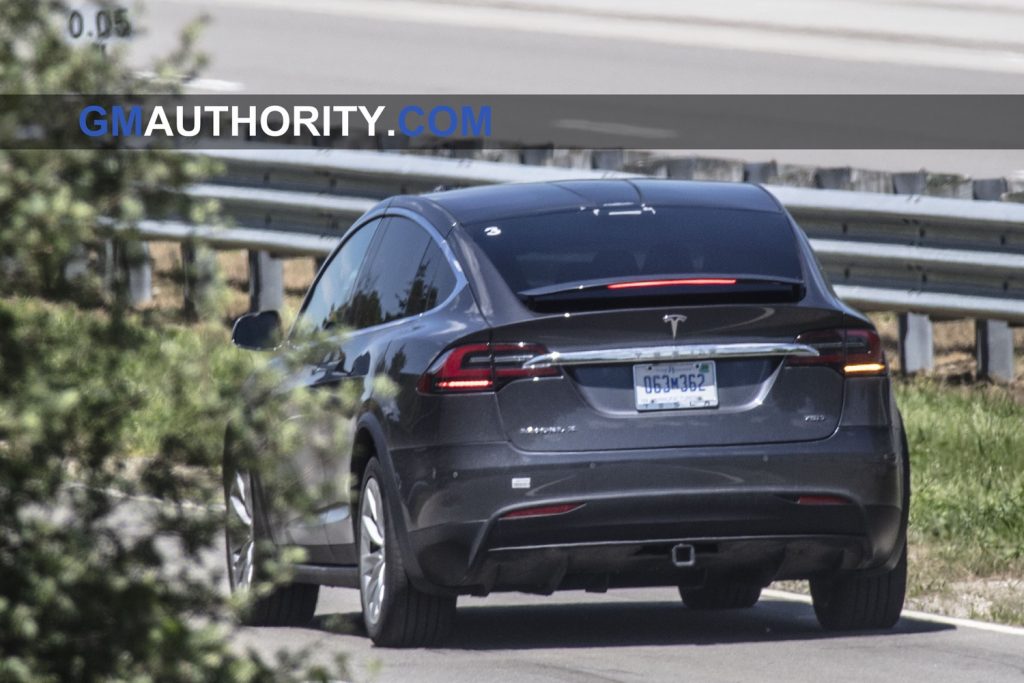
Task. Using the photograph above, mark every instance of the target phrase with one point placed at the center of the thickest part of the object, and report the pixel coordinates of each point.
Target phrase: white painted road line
(217, 85)
(913, 614)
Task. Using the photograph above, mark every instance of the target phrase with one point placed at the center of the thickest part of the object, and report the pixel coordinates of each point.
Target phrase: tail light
(482, 367)
(850, 351)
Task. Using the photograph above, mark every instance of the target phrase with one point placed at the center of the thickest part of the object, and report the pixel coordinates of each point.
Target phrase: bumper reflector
(542, 510)
(821, 500)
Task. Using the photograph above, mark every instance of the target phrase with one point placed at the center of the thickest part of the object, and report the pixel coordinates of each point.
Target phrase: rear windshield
(534, 252)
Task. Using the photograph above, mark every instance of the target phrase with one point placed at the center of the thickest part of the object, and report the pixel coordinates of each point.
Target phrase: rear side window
(542, 251)
(386, 287)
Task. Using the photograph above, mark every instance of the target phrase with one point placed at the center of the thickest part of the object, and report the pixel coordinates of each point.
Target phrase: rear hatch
(758, 398)
(670, 326)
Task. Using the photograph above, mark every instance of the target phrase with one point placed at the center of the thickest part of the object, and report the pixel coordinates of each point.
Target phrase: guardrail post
(138, 268)
(990, 189)
(504, 156)
(917, 348)
(107, 261)
(774, 173)
(917, 351)
(761, 172)
(994, 350)
(126, 270)
(933, 184)
(608, 159)
(993, 339)
(704, 168)
(77, 265)
(199, 266)
(572, 158)
(266, 282)
(858, 179)
(537, 156)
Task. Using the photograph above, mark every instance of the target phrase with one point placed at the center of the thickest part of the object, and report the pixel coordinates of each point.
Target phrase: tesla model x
(591, 385)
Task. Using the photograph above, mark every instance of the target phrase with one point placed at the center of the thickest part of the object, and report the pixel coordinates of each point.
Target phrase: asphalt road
(606, 46)
(627, 635)
(569, 46)
(648, 635)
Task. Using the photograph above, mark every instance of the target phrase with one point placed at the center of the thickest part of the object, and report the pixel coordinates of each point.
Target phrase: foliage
(53, 201)
(104, 556)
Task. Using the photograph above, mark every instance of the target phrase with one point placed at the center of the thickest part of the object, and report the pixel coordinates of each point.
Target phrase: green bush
(101, 550)
(90, 589)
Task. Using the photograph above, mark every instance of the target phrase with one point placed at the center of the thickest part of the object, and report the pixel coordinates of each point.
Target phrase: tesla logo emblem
(674, 319)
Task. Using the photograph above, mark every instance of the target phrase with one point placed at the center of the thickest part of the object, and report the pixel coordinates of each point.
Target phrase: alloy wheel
(372, 555)
(241, 531)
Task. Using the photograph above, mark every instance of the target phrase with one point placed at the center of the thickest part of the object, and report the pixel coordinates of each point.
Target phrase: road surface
(648, 635)
(606, 46)
(571, 46)
(630, 635)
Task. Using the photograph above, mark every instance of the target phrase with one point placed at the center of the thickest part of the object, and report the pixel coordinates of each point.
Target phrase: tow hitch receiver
(683, 555)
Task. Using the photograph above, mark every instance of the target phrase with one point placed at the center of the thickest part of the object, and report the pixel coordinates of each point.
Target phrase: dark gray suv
(595, 384)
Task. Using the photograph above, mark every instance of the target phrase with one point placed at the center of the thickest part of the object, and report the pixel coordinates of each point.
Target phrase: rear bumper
(737, 506)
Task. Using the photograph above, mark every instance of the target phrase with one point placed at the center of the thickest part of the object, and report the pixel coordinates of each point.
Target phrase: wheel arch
(370, 433)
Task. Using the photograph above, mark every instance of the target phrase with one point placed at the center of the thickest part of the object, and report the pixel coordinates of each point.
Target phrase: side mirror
(257, 331)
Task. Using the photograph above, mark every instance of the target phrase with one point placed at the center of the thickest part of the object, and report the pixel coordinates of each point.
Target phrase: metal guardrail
(949, 258)
(945, 257)
(283, 243)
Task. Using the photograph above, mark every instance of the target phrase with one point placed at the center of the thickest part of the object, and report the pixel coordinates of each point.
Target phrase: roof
(495, 202)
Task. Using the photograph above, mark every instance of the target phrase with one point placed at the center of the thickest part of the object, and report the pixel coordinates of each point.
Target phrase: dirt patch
(955, 360)
(233, 266)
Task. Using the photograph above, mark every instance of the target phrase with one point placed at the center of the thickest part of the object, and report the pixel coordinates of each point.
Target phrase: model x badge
(674, 319)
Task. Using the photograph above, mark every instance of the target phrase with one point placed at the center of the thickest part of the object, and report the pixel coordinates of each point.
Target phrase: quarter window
(408, 274)
(386, 286)
(433, 283)
(330, 301)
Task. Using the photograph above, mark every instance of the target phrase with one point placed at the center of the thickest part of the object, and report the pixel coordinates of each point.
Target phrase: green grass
(967, 511)
(967, 453)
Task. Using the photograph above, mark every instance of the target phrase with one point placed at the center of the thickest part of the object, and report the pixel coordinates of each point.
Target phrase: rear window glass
(562, 248)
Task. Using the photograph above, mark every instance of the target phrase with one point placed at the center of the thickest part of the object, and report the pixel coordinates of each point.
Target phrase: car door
(325, 309)
(387, 294)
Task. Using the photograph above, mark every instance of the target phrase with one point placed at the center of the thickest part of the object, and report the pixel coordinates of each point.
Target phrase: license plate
(675, 386)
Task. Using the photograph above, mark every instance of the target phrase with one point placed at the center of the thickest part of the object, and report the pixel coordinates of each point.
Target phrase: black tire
(861, 603)
(406, 616)
(867, 602)
(721, 595)
(292, 604)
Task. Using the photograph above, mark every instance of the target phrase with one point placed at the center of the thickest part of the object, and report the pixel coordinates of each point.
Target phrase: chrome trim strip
(647, 354)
